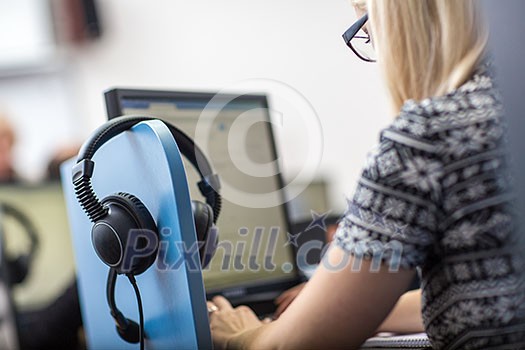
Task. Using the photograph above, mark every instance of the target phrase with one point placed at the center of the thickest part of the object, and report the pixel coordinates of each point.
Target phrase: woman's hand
(227, 324)
(286, 298)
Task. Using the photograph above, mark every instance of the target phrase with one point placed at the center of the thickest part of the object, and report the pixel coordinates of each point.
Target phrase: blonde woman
(433, 196)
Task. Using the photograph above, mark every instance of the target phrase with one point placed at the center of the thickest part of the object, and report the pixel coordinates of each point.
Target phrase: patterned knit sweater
(435, 194)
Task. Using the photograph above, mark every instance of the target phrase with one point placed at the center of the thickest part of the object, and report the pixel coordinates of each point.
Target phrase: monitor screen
(44, 206)
(236, 135)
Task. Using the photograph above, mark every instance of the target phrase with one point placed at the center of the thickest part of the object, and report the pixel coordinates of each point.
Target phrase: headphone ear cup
(18, 269)
(110, 234)
(206, 231)
(208, 250)
(203, 217)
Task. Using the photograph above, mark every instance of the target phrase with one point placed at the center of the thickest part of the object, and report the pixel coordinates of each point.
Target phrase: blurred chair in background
(62, 154)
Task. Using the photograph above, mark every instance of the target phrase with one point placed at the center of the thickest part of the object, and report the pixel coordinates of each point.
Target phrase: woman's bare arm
(406, 315)
(338, 308)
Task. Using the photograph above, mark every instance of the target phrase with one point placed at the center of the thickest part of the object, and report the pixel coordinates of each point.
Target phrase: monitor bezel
(113, 98)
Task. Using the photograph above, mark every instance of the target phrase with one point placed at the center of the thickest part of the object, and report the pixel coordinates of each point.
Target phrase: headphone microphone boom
(116, 216)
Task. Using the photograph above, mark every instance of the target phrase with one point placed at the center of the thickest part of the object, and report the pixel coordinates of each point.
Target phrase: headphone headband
(83, 171)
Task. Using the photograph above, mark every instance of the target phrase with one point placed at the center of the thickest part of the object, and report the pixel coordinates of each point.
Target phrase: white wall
(43, 116)
(210, 44)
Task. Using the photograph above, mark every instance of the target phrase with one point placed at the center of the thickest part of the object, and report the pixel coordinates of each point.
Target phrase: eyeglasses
(359, 41)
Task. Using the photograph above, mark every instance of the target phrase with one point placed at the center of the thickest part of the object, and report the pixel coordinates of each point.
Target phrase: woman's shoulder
(438, 137)
(458, 124)
(477, 92)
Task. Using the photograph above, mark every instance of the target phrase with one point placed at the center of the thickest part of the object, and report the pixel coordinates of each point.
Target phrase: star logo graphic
(318, 220)
(291, 239)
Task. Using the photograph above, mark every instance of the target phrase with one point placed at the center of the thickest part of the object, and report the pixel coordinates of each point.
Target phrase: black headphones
(18, 267)
(116, 215)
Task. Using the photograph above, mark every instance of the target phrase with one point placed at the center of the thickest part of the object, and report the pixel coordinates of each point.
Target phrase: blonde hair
(426, 47)
(360, 4)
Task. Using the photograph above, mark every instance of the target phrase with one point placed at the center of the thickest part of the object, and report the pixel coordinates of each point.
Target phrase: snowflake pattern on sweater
(435, 195)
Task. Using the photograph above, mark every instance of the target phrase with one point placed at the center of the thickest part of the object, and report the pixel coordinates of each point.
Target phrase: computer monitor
(314, 197)
(52, 268)
(253, 203)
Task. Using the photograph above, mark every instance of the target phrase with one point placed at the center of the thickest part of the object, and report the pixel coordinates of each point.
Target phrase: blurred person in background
(62, 154)
(7, 143)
